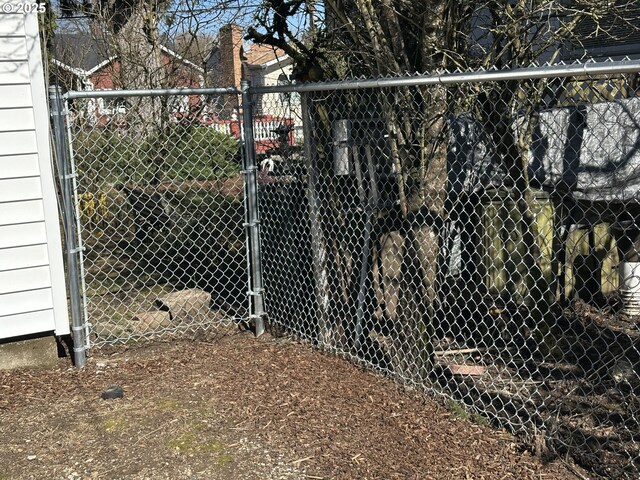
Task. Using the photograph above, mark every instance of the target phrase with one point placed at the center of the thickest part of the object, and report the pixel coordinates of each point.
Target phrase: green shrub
(197, 153)
(105, 156)
(179, 153)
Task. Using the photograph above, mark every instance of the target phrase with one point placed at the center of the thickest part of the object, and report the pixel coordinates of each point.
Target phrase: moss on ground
(188, 442)
(457, 410)
(114, 424)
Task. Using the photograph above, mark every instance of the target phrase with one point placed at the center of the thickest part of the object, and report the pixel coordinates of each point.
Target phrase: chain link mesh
(479, 241)
(160, 212)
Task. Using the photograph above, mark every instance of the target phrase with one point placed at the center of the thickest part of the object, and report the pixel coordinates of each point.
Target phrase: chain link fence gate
(475, 235)
(159, 204)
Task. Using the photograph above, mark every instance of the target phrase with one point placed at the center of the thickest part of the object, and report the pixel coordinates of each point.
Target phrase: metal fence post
(252, 226)
(66, 175)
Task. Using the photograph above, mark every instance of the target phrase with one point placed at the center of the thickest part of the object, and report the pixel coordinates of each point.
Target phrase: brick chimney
(230, 43)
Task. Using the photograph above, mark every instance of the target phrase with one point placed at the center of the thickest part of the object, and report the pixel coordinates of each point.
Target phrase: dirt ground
(233, 407)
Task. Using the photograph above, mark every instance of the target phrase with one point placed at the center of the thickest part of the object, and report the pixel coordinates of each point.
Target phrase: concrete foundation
(39, 352)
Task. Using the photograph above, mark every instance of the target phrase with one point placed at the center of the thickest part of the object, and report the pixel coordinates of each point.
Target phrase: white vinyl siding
(22, 279)
(12, 25)
(24, 234)
(14, 189)
(12, 166)
(13, 72)
(27, 323)
(14, 96)
(13, 48)
(12, 304)
(15, 143)
(24, 257)
(21, 212)
(14, 118)
(32, 284)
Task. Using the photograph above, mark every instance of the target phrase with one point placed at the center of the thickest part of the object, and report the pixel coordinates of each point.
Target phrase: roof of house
(254, 56)
(82, 54)
(80, 50)
(263, 54)
(610, 35)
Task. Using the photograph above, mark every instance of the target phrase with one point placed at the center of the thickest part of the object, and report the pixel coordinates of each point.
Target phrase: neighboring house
(584, 151)
(232, 61)
(609, 36)
(83, 61)
(33, 295)
(614, 35)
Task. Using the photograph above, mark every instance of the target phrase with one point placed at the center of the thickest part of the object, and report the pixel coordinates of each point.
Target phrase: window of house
(112, 105)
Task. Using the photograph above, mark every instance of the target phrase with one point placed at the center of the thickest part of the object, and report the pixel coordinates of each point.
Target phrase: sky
(204, 17)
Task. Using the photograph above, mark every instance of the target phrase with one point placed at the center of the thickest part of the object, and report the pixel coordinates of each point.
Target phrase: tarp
(594, 149)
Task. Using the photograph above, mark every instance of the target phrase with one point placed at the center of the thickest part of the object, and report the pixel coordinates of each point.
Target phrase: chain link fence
(159, 199)
(473, 235)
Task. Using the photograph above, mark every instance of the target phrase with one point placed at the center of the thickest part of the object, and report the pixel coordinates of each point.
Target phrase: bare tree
(127, 32)
(136, 33)
(382, 37)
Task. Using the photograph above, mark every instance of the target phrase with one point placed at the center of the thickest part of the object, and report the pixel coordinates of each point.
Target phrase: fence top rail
(165, 92)
(581, 69)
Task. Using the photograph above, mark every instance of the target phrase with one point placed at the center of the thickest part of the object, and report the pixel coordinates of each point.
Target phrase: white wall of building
(32, 284)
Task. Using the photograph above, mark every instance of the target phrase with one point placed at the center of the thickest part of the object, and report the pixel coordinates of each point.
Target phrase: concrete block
(29, 353)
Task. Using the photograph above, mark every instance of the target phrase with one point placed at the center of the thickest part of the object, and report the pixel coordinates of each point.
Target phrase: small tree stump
(185, 305)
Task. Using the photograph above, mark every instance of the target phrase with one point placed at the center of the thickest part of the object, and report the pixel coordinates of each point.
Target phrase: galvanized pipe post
(59, 113)
(252, 225)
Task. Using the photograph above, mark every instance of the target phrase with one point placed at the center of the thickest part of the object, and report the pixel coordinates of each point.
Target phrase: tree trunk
(134, 39)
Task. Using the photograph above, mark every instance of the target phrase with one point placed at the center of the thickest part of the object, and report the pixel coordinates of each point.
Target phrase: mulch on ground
(236, 407)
